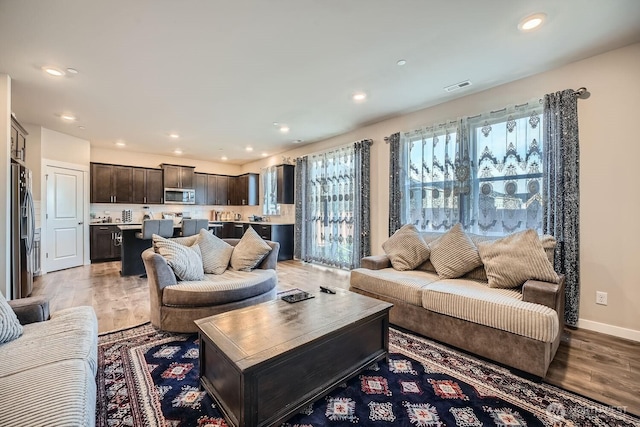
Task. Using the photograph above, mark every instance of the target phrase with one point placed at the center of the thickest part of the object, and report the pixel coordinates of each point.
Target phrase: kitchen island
(131, 247)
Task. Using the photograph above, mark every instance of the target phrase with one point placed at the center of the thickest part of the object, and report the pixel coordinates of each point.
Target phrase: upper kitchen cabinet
(284, 185)
(176, 176)
(18, 141)
(147, 186)
(200, 180)
(244, 190)
(111, 183)
(218, 190)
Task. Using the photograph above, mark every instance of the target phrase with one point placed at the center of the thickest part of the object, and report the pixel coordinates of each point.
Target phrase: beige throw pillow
(512, 260)
(216, 253)
(406, 249)
(249, 251)
(454, 254)
(186, 261)
(10, 327)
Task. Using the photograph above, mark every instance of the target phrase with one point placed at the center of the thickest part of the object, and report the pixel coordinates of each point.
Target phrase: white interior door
(65, 218)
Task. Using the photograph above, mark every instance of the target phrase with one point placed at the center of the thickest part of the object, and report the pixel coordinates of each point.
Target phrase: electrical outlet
(601, 298)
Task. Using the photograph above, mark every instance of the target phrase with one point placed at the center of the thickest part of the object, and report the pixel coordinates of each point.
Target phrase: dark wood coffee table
(265, 362)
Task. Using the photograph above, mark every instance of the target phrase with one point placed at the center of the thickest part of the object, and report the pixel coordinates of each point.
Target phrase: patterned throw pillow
(216, 253)
(185, 261)
(454, 254)
(406, 249)
(249, 251)
(512, 260)
(10, 327)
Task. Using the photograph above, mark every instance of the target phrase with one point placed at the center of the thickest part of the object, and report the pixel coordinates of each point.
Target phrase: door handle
(80, 223)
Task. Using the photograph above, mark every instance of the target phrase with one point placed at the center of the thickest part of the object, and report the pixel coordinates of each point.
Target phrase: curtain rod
(338, 147)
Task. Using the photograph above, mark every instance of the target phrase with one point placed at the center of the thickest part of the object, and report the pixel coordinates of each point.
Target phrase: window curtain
(561, 177)
(434, 177)
(333, 206)
(395, 193)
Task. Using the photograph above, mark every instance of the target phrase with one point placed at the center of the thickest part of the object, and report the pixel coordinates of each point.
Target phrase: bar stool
(193, 226)
(161, 227)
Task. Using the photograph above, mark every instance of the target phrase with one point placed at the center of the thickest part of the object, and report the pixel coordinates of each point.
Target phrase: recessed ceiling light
(264, 154)
(120, 143)
(401, 62)
(72, 71)
(52, 71)
(174, 135)
(284, 129)
(249, 148)
(81, 127)
(177, 151)
(276, 123)
(68, 117)
(224, 158)
(532, 22)
(360, 96)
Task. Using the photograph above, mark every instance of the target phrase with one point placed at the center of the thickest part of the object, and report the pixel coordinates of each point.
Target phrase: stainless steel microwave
(180, 196)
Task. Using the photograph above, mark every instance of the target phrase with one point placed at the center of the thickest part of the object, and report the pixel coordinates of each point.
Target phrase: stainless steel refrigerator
(22, 231)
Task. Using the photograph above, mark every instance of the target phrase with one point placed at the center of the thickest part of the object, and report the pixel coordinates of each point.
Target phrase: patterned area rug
(150, 378)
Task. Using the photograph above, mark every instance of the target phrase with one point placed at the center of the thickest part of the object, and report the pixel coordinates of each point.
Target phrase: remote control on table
(327, 290)
(300, 296)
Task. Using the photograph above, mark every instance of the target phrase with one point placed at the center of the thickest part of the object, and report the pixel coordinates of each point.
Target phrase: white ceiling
(220, 73)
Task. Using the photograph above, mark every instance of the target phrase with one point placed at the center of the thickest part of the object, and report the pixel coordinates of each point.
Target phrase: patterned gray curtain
(362, 201)
(395, 192)
(561, 172)
(333, 206)
(300, 197)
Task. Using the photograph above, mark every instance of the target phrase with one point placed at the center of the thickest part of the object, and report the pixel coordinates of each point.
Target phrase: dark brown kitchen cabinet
(218, 190)
(281, 233)
(201, 187)
(104, 244)
(111, 183)
(18, 141)
(285, 184)
(244, 190)
(147, 186)
(176, 176)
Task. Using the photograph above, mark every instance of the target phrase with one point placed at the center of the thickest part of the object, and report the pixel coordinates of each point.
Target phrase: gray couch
(176, 304)
(520, 327)
(47, 375)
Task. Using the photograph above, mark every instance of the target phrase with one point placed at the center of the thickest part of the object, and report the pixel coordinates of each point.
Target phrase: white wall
(609, 155)
(5, 184)
(64, 148)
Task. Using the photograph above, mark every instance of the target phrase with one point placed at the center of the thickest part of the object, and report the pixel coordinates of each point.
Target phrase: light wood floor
(602, 367)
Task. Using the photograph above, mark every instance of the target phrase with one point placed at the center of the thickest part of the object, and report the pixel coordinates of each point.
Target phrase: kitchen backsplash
(101, 211)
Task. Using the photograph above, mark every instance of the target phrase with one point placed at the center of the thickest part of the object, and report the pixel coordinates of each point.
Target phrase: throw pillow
(406, 249)
(512, 260)
(10, 327)
(454, 254)
(249, 251)
(185, 261)
(216, 253)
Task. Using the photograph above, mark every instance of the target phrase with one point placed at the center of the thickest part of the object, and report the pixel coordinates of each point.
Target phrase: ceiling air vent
(458, 86)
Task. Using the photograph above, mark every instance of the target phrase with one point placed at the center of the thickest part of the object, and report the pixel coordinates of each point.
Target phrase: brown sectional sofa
(520, 327)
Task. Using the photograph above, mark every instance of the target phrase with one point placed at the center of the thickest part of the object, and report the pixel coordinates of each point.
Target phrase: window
(507, 186)
(270, 184)
(484, 172)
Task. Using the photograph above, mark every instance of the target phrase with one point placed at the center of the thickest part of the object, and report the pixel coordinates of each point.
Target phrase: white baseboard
(604, 328)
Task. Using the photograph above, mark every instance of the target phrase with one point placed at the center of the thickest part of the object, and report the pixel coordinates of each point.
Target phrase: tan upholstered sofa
(47, 374)
(176, 304)
(519, 327)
